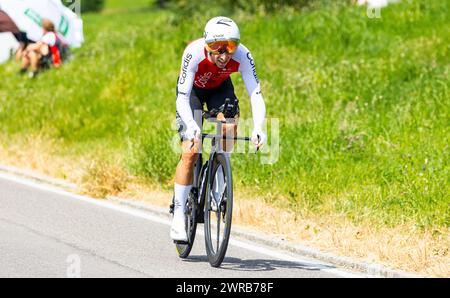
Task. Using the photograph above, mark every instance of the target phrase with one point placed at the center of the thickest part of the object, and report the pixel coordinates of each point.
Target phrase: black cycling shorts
(213, 98)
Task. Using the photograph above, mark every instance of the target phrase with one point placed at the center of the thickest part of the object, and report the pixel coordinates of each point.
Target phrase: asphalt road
(46, 232)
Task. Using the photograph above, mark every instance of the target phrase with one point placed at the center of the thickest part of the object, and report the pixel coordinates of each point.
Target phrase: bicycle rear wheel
(218, 210)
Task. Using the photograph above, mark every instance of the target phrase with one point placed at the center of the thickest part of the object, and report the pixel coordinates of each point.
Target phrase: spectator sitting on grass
(44, 52)
(23, 40)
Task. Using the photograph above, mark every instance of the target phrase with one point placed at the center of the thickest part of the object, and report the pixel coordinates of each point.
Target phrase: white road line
(144, 215)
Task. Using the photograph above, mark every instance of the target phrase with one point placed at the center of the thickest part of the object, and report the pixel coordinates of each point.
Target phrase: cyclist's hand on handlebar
(258, 138)
(193, 132)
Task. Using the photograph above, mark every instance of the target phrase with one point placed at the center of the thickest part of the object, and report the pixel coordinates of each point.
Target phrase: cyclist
(206, 67)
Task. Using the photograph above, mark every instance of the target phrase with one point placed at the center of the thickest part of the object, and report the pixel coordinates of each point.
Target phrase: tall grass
(363, 104)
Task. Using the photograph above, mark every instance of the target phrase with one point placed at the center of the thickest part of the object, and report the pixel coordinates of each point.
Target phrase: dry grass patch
(404, 247)
(102, 179)
(38, 154)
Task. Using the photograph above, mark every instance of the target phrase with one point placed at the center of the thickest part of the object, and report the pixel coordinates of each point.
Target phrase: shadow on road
(238, 264)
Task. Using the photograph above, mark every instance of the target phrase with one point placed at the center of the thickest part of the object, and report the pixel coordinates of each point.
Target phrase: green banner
(34, 16)
(63, 27)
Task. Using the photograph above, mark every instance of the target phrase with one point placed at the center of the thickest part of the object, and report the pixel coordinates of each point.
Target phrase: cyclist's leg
(226, 90)
(185, 168)
(229, 130)
(184, 174)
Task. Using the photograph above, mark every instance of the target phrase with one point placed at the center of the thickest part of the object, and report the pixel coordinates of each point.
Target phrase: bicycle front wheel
(218, 209)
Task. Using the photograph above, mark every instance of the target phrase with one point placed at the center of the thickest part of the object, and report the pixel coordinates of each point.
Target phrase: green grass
(363, 104)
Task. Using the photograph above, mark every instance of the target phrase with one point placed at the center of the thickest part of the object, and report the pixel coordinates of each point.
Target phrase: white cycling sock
(181, 195)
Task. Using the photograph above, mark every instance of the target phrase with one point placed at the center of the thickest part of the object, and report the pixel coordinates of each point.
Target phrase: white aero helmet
(222, 34)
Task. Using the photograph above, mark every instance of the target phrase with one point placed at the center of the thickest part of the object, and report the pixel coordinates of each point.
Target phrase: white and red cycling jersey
(197, 70)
